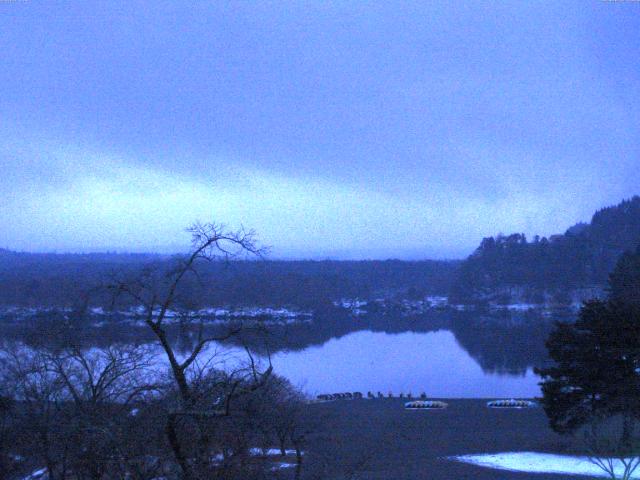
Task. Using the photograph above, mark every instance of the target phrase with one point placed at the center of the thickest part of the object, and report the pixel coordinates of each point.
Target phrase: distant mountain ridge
(559, 268)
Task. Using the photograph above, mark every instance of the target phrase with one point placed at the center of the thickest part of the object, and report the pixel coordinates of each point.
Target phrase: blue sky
(342, 129)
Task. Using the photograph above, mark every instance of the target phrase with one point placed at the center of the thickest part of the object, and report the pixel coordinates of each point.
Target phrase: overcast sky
(342, 129)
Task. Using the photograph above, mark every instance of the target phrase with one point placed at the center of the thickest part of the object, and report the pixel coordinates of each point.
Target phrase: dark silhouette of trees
(8, 461)
(596, 367)
(581, 258)
(58, 280)
(624, 281)
(594, 384)
(124, 411)
(72, 405)
(202, 394)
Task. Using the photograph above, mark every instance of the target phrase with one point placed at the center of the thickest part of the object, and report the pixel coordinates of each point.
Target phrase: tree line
(580, 258)
(35, 280)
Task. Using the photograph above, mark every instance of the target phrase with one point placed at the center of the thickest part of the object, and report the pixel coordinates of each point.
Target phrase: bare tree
(101, 386)
(105, 413)
(41, 397)
(159, 293)
(612, 446)
(75, 405)
(8, 460)
(287, 418)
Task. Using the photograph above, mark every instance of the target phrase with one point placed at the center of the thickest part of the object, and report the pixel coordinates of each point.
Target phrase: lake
(453, 355)
(410, 362)
(446, 354)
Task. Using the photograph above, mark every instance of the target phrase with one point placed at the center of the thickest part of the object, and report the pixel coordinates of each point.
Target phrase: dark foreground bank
(379, 439)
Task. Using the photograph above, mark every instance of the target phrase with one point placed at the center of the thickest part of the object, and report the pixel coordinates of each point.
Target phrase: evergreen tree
(597, 359)
(624, 281)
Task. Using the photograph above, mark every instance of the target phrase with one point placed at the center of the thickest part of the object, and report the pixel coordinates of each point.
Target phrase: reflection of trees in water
(500, 342)
(506, 343)
(261, 337)
(335, 325)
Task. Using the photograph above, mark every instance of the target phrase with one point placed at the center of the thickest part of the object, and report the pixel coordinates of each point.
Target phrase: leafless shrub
(73, 407)
(612, 446)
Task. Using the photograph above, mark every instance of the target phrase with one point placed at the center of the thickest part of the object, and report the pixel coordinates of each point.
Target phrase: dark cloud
(449, 120)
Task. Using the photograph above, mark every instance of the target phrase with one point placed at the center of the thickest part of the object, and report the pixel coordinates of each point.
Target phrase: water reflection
(406, 362)
(503, 343)
(510, 346)
(446, 353)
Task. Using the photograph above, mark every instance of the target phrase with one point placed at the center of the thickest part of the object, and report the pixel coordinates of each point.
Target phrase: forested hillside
(511, 268)
(59, 280)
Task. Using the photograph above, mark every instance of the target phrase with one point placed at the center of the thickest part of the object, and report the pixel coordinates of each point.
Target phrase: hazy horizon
(445, 252)
(335, 130)
(337, 255)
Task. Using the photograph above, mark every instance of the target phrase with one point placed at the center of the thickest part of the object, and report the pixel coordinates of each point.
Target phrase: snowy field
(534, 462)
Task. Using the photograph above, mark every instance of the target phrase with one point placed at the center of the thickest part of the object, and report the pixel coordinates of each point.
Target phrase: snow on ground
(136, 315)
(438, 301)
(40, 474)
(521, 307)
(264, 452)
(270, 451)
(280, 466)
(535, 462)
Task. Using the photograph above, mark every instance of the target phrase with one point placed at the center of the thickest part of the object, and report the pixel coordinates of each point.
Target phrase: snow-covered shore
(535, 462)
(135, 315)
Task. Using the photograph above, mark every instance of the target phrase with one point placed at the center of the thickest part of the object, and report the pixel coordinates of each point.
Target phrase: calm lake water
(444, 354)
(409, 362)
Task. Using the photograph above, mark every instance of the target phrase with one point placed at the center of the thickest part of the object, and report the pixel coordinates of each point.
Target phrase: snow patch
(40, 474)
(268, 452)
(535, 462)
(281, 466)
